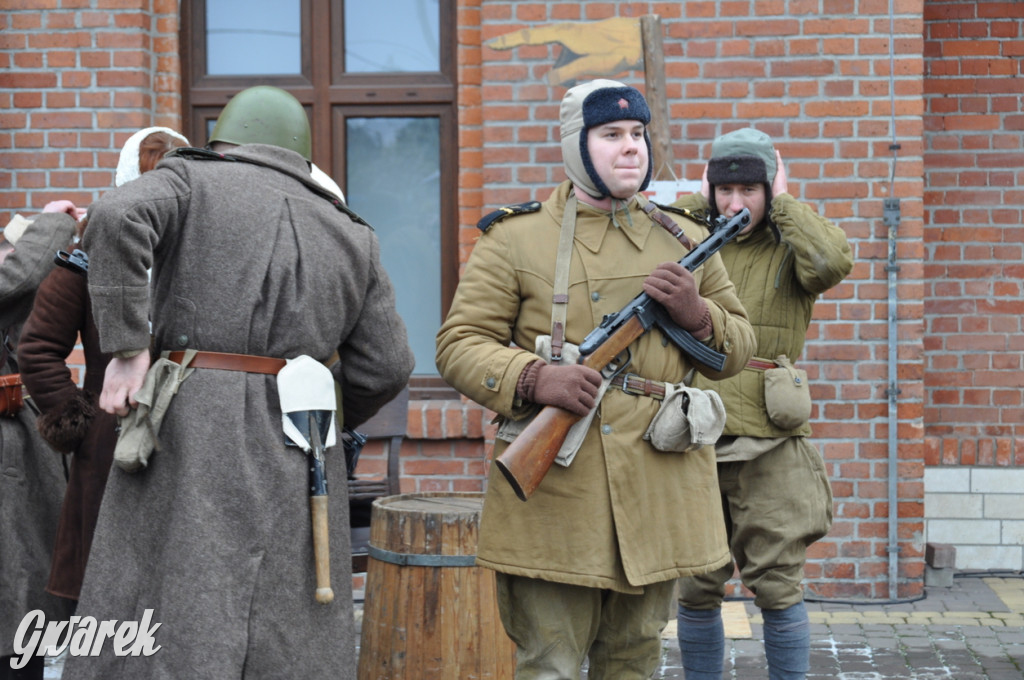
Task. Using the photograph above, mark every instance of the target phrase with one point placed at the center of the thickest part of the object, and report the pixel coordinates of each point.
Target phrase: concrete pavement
(972, 630)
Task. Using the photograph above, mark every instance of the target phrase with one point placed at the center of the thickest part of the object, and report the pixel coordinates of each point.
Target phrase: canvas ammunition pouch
(11, 396)
(138, 436)
(787, 395)
(688, 419)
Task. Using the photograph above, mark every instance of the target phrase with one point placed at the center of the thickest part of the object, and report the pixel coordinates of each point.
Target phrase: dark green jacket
(778, 273)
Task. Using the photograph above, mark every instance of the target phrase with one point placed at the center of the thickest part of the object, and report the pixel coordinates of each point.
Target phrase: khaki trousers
(775, 506)
(556, 626)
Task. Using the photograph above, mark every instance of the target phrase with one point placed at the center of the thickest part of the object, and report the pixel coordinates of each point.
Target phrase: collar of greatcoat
(592, 224)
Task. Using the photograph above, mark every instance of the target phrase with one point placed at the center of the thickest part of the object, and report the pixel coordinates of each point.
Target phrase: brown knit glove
(672, 285)
(572, 387)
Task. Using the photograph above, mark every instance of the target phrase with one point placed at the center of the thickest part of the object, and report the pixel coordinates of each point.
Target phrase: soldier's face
(618, 153)
(731, 198)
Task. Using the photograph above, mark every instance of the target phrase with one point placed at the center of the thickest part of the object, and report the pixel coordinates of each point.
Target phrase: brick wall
(973, 297)
(974, 244)
(75, 82)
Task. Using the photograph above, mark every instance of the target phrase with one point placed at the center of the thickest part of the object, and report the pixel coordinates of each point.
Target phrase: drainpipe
(891, 219)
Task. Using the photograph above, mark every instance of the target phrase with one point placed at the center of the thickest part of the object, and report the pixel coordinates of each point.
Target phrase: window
(380, 95)
(261, 37)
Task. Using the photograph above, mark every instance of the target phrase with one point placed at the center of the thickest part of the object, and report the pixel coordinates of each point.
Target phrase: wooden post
(657, 100)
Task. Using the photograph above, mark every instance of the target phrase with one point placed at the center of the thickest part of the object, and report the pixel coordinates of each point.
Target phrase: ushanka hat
(743, 156)
(589, 105)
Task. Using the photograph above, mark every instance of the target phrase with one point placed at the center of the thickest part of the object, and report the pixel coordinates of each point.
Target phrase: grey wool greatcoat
(249, 256)
(31, 474)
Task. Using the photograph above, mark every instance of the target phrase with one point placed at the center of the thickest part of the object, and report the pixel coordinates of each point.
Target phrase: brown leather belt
(246, 363)
(12, 394)
(631, 383)
(762, 365)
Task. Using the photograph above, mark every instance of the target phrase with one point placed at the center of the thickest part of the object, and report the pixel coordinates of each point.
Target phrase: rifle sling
(666, 222)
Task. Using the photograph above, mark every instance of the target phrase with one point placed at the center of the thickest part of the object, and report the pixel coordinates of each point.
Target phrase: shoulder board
(489, 220)
(699, 217)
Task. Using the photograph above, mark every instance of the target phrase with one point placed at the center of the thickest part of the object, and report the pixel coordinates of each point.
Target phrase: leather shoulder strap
(666, 222)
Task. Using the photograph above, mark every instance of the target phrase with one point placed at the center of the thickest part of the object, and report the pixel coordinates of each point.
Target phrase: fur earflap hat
(743, 156)
(595, 103)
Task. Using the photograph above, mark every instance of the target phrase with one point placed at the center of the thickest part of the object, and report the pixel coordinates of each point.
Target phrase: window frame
(330, 95)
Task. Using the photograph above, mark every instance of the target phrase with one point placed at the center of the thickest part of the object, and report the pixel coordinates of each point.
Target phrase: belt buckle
(635, 391)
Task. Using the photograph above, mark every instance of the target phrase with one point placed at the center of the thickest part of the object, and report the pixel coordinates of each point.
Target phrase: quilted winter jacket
(780, 276)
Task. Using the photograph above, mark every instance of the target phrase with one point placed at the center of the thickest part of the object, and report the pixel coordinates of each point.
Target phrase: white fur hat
(128, 163)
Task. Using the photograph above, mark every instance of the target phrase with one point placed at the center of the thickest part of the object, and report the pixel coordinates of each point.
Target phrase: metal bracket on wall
(891, 212)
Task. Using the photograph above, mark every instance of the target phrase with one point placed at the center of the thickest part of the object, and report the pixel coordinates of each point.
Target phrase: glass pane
(392, 35)
(394, 183)
(253, 37)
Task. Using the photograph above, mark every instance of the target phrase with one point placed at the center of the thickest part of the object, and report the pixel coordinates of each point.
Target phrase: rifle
(529, 457)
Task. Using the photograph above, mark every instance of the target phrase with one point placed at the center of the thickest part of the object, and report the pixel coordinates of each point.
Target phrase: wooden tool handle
(321, 549)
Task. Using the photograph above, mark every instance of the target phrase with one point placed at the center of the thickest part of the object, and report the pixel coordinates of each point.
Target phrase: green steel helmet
(265, 115)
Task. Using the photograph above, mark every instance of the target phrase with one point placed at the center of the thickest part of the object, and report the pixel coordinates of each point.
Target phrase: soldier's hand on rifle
(572, 387)
(671, 285)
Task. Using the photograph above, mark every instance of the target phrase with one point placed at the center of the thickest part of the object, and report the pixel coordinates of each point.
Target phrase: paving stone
(973, 630)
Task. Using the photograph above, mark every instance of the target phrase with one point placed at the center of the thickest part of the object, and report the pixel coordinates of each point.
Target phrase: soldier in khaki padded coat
(585, 567)
(249, 256)
(774, 488)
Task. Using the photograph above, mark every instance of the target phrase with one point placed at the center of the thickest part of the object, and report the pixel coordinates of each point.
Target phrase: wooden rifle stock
(529, 457)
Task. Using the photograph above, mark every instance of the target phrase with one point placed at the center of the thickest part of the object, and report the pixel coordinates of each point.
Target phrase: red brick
(28, 80)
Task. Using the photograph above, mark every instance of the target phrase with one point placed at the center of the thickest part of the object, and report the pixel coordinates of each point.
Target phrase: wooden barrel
(429, 613)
